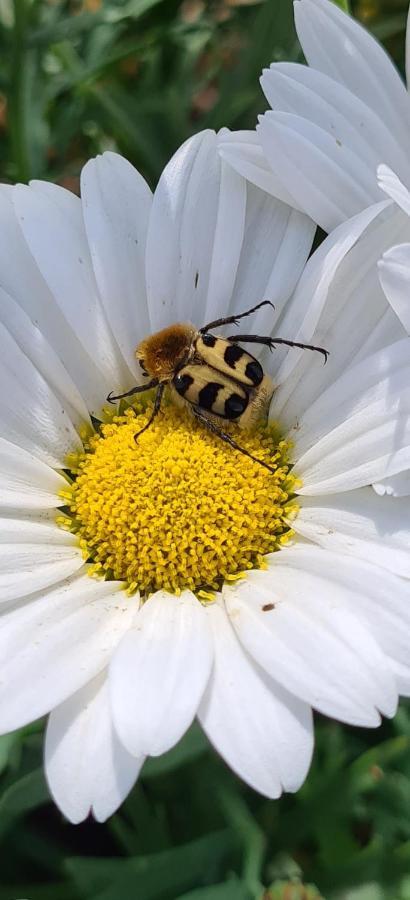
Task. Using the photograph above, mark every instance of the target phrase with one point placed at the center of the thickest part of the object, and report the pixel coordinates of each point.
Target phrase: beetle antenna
(233, 320)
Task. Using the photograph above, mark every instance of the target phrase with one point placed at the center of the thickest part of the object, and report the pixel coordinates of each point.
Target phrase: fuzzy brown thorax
(162, 353)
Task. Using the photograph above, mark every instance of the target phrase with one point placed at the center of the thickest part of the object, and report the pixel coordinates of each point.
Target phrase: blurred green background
(140, 76)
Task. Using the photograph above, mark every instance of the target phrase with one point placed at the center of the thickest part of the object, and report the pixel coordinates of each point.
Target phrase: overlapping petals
(326, 625)
(332, 123)
(88, 769)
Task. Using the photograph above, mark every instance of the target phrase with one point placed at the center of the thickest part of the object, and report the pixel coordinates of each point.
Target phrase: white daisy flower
(181, 578)
(332, 122)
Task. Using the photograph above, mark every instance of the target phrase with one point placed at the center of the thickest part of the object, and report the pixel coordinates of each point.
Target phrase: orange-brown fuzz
(164, 351)
(179, 508)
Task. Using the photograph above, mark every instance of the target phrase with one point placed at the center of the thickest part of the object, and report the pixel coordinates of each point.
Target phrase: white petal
(21, 279)
(358, 431)
(359, 524)
(393, 187)
(159, 672)
(27, 567)
(195, 234)
(116, 207)
(347, 313)
(310, 315)
(27, 482)
(394, 274)
(242, 150)
(336, 44)
(295, 621)
(355, 459)
(30, 529)
(332, 185)
(377, 598)
(33, 344)
(30, 413)
(87, 768)
(297, 89)
(52, 644)
(395, 486)
(276, 245)
(51, 220)
(227, 241)
(261, 731)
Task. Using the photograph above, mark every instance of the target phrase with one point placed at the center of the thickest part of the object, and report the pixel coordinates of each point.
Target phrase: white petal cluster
(336, 141)
(332, 122)
(326, 625)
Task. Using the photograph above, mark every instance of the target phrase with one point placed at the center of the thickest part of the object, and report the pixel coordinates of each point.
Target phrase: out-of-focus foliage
(137, 75)
(140, 76)
(80, 76)
(191, 831)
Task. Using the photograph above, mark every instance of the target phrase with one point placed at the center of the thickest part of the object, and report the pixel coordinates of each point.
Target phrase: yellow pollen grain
(179, 508)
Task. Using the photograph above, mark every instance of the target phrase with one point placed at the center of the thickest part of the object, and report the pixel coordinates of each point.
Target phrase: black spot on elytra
(209, 340)
(235, 405)
(182, 382)
(208, 394)
(232, 354)
(254, 372)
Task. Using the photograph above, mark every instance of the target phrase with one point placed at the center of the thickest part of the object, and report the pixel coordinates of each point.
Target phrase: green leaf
(230, 890)
(158, 876)
(344, 4)
(365, 771)
(389, 27)
(55, 891)
(21, 797)
(67, 28)
(8, 744)
(370, 891)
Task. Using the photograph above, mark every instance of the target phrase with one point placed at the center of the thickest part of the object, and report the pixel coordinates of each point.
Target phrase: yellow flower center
(179, 508)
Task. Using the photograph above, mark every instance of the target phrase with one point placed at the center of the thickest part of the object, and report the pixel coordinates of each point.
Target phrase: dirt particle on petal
(267, 607)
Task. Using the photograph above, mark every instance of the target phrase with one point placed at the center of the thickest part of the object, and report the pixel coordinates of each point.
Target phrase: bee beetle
(218, 379)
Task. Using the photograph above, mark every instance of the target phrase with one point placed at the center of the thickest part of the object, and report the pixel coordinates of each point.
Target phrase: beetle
(217, 378)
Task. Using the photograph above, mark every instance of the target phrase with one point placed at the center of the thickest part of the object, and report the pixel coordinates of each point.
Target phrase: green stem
(251, 837)
(19, 135)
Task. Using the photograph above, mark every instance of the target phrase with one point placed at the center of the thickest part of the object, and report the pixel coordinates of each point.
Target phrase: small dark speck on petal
(80, 260)
(196, 279)
(268, 607)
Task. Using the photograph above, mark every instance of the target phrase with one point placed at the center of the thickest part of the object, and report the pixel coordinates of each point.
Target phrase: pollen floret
(179, 508)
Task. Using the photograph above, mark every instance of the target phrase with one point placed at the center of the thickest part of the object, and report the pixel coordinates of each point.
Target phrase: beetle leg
(155, 411)
(271, 341)
(214, 429)
(135, 390)
(233, 320)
